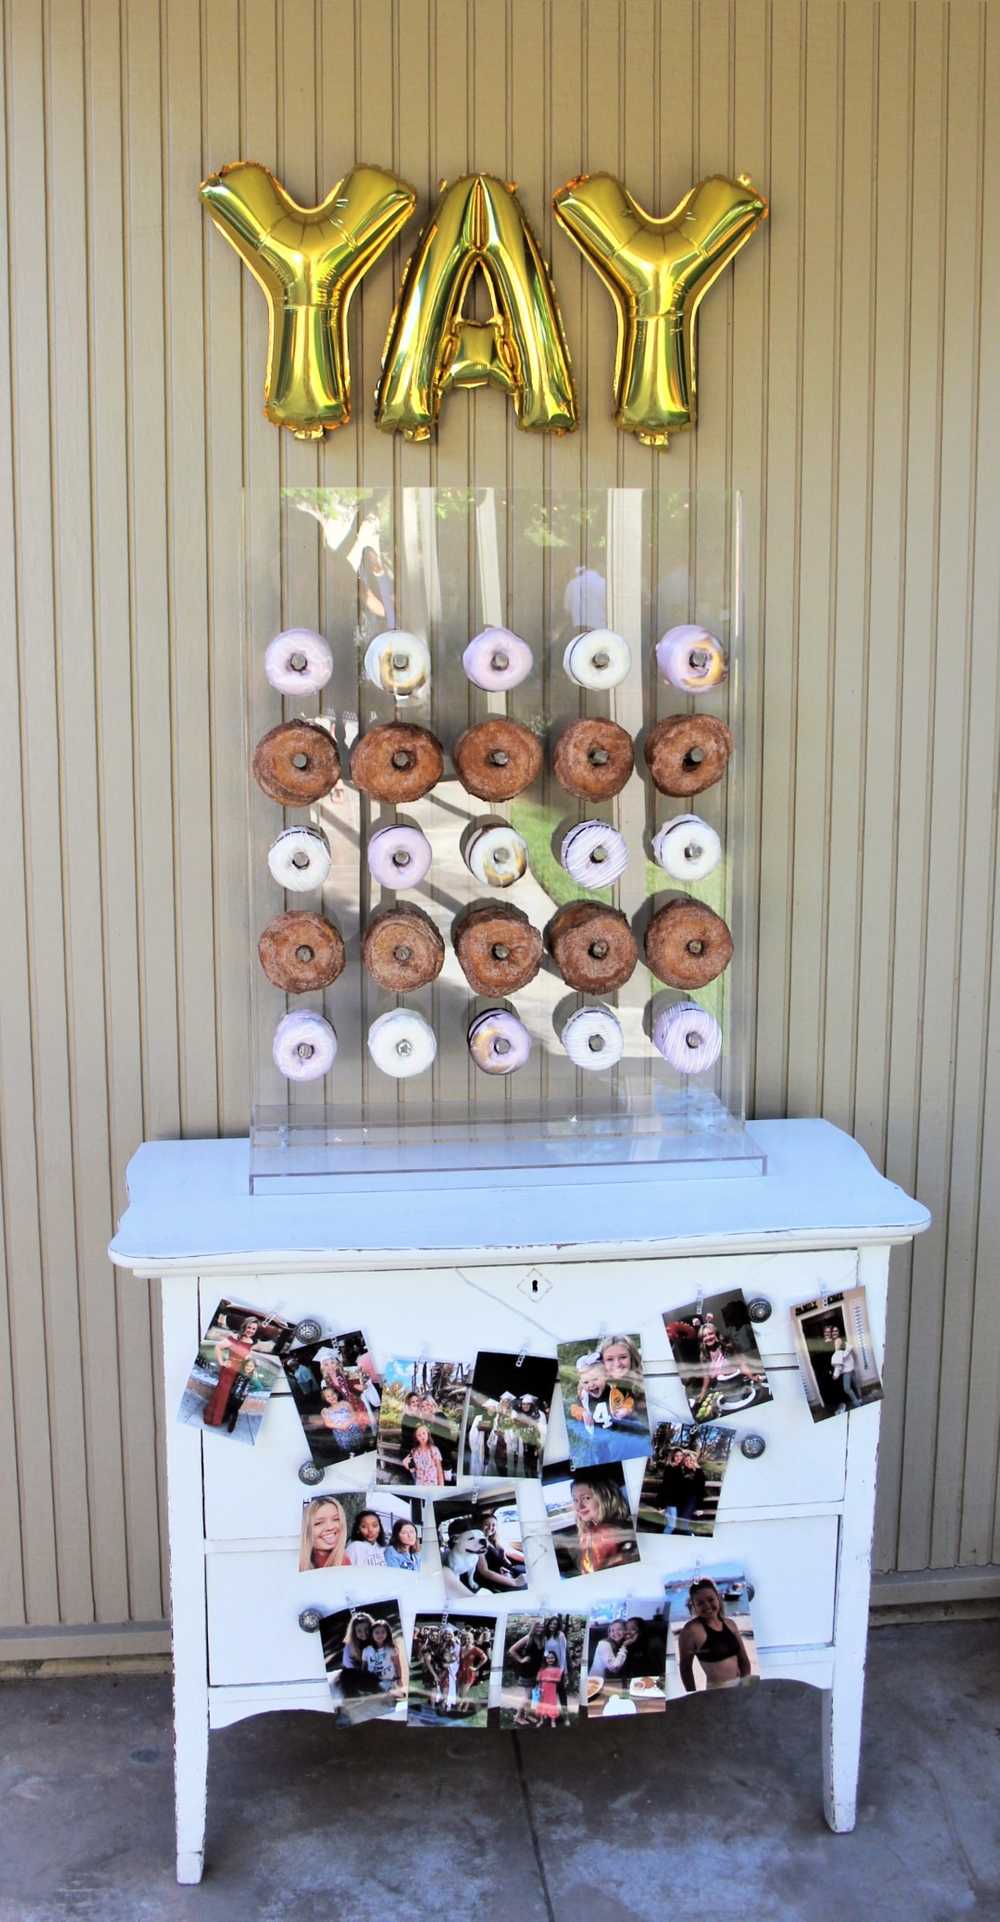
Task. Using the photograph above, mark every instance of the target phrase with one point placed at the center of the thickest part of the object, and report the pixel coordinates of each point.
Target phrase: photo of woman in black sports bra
(712, 1639)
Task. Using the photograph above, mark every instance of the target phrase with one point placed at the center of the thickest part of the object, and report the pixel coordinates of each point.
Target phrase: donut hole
(598, 950)
(694, 757)
(305, 1051)
(598, 756)
(595, 1043)
(500, 662)
(499, 757)
(693, 851)
(502, 1045)
(598, 855)
(403, 758)
(298, 663)
(300, 858)
(301, 761)
(401, 859)
(600, 660)
(404, 1048)
(402, 954)
(501, 856)
(400, 663)
(692, 1038)
(696, 947)
(698, 659)
(500, 951)
(305, 953)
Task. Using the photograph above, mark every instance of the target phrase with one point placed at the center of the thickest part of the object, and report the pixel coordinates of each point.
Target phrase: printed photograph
(541, 1670)
(836, 1354)
(479, 1537)
(712, 1643)
(373, 1530)
(234, 1371)
(420, 1423)
(604, 1399)
(683, 1479)
(336, 1389)
(366, 1666)
(450, 1670)
(507, 1416)
(717, 1357)
(627, 1658)
(589, 1518)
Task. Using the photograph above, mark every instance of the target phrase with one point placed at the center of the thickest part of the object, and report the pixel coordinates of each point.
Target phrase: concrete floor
(711, 1811)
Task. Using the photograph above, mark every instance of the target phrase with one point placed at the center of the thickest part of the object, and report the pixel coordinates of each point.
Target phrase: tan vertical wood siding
(850, 385)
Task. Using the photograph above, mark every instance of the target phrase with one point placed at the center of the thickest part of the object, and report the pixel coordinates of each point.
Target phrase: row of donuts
(593, 853)
(298, 763)
(689, 658)
(402, 1044)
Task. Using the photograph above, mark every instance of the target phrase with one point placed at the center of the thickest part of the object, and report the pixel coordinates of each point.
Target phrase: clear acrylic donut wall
(443, 564)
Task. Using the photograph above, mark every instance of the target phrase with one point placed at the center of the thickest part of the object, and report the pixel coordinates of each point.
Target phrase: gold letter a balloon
(308, 261)
(658, 272)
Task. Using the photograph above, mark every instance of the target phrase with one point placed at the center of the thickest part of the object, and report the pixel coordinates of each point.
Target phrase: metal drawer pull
(308, 1330)
(310, 1619)
(751, 1591)
(752, 1446)
(311, 1473)
(759, 1309)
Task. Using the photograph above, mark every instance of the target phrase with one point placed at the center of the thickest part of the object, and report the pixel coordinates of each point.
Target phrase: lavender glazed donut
(301, 951)
(687, 848)
(593, 758)
(593, 1039)
(399, 857)
(296, 763)
(496, 660)
(688, 944)
(498, 1042)
(687, 753)
(593, 947)
(304, 1045)
(498, 949)
(497, 759)
(398, 662)
(691, 658)
(402, 1043)
(402, 949)
(298, 661)
(594, 853)
(397, 761)
(688, 1037)
(598, 659)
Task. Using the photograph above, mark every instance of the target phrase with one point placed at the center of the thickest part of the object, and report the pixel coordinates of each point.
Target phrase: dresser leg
(191, 1794)
(187, 1581)
(842, 1709)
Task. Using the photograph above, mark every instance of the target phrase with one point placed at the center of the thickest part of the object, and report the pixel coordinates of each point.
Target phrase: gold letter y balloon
(657, 272)
(308, 261)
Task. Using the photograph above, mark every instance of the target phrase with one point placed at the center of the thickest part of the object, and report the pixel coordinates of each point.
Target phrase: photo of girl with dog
(420, 1423)
(682, 1482)
(604, 1399)
(366, 1666)
(235, 1371)
(589, 1517)
(450, 1665)
(336, 1390)
(541, 1670)
(715, 1348)
(507, 1416)
(479, 1536)
(349, 1530)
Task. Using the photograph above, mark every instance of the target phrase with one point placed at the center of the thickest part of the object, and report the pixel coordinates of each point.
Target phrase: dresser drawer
(256, 1491)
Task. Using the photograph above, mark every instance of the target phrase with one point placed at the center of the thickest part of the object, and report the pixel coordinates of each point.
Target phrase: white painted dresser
(439, 1269)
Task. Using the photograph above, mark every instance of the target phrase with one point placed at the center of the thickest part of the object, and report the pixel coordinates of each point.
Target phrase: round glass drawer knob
(311, 1473)
(752, 1446)
(759, 1309)
(309, 1620)
(308, 1330)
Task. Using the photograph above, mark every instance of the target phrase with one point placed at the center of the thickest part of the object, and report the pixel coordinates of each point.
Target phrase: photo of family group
(420, 1423)
(541, 1670)
(234, 1372)
(373, 1530)
(714, 1346)
(507, 1415)
(627, 1658)
(365, 1659)
(335, 1388)
(682, 1481)
(450, 1670)
(836, 1353)
(604, 1399)
(712, 1643)
(589, 1518)
(479, 1537)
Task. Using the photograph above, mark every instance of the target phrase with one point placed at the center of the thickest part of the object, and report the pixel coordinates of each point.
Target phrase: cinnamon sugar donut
(687, 753)
(300, 951)
(397, 761)
(296, 763)
(402, 950)
(593, 758)
(497, 759)
(498, 949)
(688, 944)
(593, 947)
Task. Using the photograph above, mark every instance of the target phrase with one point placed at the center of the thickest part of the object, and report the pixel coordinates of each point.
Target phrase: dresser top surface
(190, 1206)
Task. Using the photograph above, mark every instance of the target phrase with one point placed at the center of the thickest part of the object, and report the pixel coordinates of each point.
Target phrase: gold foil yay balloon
(308, 261)
(431, 347)
(657, 273)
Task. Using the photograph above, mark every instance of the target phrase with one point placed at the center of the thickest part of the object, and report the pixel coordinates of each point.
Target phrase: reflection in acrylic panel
(714, 1346)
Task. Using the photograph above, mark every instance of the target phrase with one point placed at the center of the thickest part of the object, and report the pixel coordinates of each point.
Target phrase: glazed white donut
(593, 1038)
(402, 1043)
(398, 662)
(686, 848)
(304, 1045)
(688, 1037)
(594, 853)
(299, 859)
(598, 659)
(399, 857)
(497, 856)
(298, 661)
